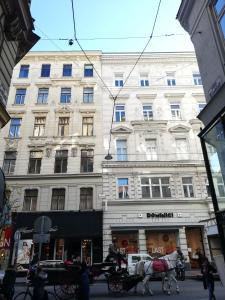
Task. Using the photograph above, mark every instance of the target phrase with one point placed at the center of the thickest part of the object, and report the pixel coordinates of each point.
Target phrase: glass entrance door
(86, 251)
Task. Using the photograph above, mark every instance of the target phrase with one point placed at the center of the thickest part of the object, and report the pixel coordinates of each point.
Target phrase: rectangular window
(87, 126)
(119, 79)
(201, 106)
(175, 111)
(61, 158)
(65, 95)
(30, 200)
(42, 95)
(45, 70)
(9, 162)
(147, 112)
(35, 162)
(144, 81)
(188, 187)
(20, 96)
(14, 130)
(155, 187)
(88, 95)
(120, 113)
(121, 149)
(197, 79)
(181, 148)
(87, 158)
(208, 191)
(122, 188)
(86, 198)
(171, 81)
(219, 186)
(151, 149)
(88, 70)
(67, 70)
(58, 199)
(219, 7)
(63, 128)
(39, 126)
(24, 71)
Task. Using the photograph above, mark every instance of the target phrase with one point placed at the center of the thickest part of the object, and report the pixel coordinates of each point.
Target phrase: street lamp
(108, 156)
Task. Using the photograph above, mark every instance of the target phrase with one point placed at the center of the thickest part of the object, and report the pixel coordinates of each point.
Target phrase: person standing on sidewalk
(207, 271)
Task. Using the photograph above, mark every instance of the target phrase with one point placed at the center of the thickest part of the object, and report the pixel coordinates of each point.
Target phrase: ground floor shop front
(72, 234)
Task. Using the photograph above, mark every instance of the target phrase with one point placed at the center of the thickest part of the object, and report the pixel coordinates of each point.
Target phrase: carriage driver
(113, 253)
(180, 254)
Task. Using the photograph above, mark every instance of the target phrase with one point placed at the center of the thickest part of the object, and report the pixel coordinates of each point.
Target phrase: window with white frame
(39, 126)
(208, 191)
(63, 127)
(35, 162)
(88, 95)
(155, 187)
(181, 148)
(151, 149)
(58, 199)
(144, 81)
(87, 126)
(20, 96)
(121, 149)
(30, 200)
(170, 79)
(42, 96)
(197, 79)
(188, 187)
(61, 160)
(88, 70)
(86, 198)
(120, 113)
(118, 79)
(201, 106)
(9, 162)
(14, 130)
(122, 188)
(65, 95)
(175, 111)
(219, 186)
(147, 112)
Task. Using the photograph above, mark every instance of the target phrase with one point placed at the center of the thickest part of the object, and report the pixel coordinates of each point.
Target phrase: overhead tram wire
(108, 156)
(85, 54)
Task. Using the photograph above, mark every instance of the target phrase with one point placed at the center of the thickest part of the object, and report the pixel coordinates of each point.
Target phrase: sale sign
(6, 238)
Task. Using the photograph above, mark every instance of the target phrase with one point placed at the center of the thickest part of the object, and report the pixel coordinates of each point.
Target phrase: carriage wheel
(65, 291)
(115, 285)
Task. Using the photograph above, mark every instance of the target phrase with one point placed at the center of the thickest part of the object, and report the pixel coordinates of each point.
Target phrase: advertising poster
(24, 252)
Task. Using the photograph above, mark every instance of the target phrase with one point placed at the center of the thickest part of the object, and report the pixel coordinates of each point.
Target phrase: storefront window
(195, 244)
(126, 242)
(59, 249)
(215, 146)
(160, 243)
(86, 251)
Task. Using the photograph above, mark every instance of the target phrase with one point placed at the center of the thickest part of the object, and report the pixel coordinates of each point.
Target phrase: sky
(100, 19)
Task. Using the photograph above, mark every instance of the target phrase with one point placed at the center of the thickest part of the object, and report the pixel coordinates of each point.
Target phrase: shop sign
(160, 215)
(6, 237)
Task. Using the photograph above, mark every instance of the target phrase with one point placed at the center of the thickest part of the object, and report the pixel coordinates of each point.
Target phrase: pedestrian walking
(83, 290)
(207, 271)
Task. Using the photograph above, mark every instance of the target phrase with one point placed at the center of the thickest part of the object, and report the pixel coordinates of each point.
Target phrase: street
(189, 290)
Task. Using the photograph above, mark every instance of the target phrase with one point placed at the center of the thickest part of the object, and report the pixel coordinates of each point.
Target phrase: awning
(69, 223)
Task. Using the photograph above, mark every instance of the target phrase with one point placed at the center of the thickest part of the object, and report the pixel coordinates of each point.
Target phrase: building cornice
(39, 177)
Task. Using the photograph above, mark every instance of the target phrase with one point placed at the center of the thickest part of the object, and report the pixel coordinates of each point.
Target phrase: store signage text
(160, 215)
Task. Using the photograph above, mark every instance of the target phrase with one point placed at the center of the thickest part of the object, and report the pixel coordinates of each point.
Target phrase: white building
(155, 187)
(153, 193)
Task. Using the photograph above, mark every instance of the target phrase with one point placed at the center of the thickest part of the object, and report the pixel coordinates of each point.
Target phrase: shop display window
(59, 249)
(86, 251)
(195, 244)
(126, 242)
(160, 243)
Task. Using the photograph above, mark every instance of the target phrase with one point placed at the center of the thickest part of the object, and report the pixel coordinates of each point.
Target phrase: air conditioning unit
(140, 216)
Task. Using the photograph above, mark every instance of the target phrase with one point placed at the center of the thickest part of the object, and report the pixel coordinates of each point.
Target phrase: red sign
(6, 238)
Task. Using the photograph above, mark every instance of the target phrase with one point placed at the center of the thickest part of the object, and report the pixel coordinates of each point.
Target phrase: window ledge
(18, 105)
(158, 201)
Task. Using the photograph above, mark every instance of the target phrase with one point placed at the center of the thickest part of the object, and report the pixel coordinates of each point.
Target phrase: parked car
(132, 259)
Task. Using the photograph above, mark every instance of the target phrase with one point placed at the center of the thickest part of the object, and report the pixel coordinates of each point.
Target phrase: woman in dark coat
(207, 271)
(83, 290)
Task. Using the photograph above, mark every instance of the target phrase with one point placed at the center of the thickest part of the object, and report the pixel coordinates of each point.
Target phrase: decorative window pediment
(64, 110)
(121, 129)
(179, 128)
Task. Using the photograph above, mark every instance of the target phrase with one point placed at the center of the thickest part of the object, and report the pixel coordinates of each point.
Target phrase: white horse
(145, 269)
